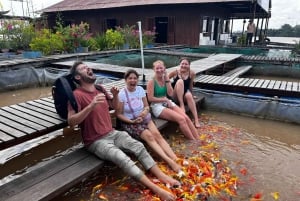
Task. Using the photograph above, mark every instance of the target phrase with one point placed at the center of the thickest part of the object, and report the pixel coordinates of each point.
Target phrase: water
(289, 40)
(268, 151)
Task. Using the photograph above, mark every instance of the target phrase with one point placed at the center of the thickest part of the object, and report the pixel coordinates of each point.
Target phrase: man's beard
(88, 79)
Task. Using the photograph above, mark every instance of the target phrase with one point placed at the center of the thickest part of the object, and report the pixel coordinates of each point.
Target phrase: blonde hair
(158, 62)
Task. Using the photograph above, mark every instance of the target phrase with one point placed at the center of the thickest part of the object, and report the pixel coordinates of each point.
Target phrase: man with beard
(101, 139)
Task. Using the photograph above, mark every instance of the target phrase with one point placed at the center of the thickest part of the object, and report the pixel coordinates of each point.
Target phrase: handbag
(146, 119)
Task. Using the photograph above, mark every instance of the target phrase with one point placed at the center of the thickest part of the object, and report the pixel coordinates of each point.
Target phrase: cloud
(284, 12)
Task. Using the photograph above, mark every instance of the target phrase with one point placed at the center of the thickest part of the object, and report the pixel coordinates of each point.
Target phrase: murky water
(269, 151)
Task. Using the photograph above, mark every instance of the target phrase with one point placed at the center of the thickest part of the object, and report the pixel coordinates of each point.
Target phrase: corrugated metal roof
(68, 5)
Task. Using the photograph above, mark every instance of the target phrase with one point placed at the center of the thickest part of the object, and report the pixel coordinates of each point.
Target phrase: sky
(283, 11)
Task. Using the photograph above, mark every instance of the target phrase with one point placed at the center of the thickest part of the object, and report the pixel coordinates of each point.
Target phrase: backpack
(62, 92)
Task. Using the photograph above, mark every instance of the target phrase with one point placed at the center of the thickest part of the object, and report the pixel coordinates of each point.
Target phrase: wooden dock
(270, 60)
(249, 85)
(212, 62)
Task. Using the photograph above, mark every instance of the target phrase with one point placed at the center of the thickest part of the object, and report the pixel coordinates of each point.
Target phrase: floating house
(190, 22)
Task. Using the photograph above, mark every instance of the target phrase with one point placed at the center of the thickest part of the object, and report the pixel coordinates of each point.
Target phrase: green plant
(47, 42)
(296, 49)
(114, 39)
(241, 40)
(17, 33)
(149, 37)
(100, 40)
(130, 35)
(73, 36)
(92, 44)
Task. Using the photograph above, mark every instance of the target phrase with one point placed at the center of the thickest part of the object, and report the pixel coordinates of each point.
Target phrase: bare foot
(197, 124)
(165, 195)
(176, 167)
(182, 107)
(169, 180)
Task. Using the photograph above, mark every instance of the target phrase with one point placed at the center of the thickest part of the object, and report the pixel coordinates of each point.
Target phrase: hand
(137, 120)
(99, 98)
(114, 90)
(166, 77)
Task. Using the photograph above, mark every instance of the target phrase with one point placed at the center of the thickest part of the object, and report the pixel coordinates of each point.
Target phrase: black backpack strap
(103, 90)
(69, 92)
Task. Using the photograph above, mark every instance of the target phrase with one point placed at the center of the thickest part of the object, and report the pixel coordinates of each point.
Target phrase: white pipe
(141, 46)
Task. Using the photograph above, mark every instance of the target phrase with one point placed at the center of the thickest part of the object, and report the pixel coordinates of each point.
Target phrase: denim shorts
(157, 108)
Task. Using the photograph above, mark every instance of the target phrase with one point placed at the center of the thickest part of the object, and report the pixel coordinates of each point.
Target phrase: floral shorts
(135, 130)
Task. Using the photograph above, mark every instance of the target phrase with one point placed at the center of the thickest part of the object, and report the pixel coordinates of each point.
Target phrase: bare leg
(163, 194)
(188, 122)
(151, 141)
(175, 114)
(161, 141)
(192, 105)
(178, 93)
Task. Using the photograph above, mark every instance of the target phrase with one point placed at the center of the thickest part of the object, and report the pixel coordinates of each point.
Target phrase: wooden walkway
(270, 60)
(249, 85)
(199, 66)
(25, 121)
(212, 62)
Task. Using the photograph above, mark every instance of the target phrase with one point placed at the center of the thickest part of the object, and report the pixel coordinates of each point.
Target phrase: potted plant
(114, 39)
(130, 35)
(149, 38)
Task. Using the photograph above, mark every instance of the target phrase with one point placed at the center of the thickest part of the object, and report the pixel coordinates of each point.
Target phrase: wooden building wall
(184, 21)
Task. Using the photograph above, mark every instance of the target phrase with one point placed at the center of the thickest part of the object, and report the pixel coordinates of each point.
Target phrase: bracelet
(167, 81)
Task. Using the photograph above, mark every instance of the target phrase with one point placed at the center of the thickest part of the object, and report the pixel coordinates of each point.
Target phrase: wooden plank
(52, 171)
(23, 121)
(11, 131)
(28, 116)
(244, 81)
(42, 106)
(213, 79)
(271, 84)
(43, 102)
(16, 125)
(239, 80)
(282, 85)
(5, 137)
(208, 79)
(37, 114)
(295, 86)
(201, 78)
(219, 80)
(255, 81)
(234, 80)
(249, 82)
(265, 84)
(160, 123)
(238, 71)
(259, 83)
(289, 86)
(229, 80)
(48, 99)
(40, 110)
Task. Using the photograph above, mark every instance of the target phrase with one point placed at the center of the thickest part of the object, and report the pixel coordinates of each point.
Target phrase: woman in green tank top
(158, 90)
